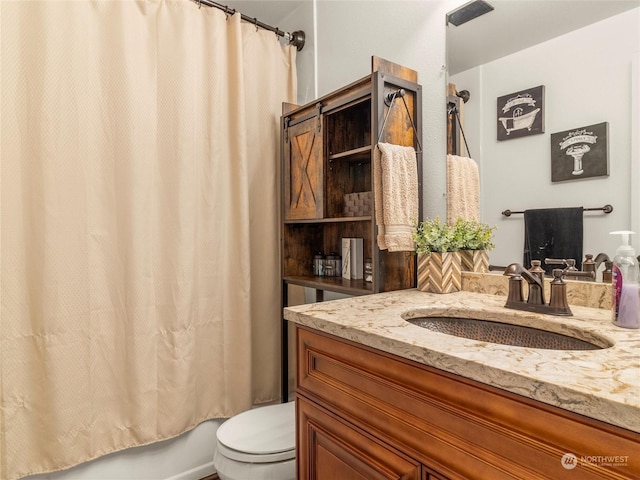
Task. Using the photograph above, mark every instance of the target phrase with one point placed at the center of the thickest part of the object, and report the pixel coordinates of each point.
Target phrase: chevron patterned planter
(439, 272)
(475, 260)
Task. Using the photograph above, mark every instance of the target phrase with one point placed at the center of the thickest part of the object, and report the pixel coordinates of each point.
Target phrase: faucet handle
(554, 261)
(570, 269)
(571, 265)
(565, 262)
(607, 272)
(558, 298)
(537, 269)
(515, 290)
(589, 265)
(557, 273)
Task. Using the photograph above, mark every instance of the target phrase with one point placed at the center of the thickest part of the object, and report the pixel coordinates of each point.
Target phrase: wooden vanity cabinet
(335, 450)
(363, 413)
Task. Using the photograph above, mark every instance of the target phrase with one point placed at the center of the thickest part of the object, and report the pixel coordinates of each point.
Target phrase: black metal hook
(391, 96)
(464, 95)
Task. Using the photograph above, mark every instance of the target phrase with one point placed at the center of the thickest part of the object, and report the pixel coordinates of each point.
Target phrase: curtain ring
(276, 32)
(199, 4)
(226, 11)
(255, 22)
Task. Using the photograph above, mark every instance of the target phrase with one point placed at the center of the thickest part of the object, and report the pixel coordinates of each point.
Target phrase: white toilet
(258, 444)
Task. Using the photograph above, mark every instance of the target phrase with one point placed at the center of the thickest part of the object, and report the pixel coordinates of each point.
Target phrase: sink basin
(504, 333)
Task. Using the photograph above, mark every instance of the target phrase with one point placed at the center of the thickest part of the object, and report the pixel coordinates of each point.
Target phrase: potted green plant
(475, 240)
(439, 261)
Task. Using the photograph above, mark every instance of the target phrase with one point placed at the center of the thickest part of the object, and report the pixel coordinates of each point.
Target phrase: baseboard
(205, 471)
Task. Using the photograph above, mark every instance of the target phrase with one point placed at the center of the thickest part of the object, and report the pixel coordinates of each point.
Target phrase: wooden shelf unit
(327, 153)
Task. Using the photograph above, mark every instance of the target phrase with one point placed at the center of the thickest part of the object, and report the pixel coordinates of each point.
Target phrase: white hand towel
(463, 189)
(395, 179)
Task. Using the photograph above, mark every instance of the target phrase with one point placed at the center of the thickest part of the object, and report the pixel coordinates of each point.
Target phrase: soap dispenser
(626, 291)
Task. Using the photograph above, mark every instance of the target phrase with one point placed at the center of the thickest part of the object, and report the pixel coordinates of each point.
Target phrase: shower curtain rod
(296, 38)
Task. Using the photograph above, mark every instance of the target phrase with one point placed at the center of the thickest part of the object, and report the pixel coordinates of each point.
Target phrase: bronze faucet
(601, 257)
(606, 273)
(535, 297)
(558, 304)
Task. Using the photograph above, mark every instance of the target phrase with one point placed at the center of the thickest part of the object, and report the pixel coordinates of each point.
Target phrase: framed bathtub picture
(580, 153)
(521, 114)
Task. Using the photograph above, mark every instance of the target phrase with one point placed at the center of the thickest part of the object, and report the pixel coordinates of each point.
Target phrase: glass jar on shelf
(333, 260)
(368, 270)
(318, 264)
(328, 270)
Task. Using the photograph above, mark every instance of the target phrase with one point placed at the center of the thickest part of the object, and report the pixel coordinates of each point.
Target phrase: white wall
(588, 79)
(303, 18)
(411, 33)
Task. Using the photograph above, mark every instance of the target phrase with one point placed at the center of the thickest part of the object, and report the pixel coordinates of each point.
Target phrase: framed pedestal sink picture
(580, 153)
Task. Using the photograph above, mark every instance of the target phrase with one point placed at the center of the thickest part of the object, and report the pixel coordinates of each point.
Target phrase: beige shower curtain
(139, 243)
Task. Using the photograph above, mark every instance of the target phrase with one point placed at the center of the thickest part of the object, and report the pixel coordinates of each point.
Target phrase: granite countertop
(602, 384)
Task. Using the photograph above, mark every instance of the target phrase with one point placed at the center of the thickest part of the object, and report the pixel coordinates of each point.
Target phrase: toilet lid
(260, 435)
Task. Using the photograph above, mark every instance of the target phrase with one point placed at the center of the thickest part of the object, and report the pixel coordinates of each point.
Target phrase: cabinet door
(303, 170)
(432, 476)
(330, 449)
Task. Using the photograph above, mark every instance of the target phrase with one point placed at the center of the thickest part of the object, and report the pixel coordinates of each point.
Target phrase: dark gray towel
(553, 233)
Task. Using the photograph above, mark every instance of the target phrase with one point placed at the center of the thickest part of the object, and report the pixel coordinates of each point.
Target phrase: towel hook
(464, 95)
(389, 98)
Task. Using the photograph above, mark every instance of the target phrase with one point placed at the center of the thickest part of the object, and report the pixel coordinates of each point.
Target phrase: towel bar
(606, 209)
